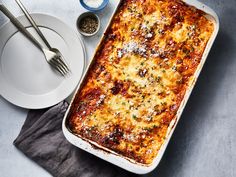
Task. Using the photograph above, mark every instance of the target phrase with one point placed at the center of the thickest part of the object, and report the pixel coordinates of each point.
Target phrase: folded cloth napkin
(41, 139)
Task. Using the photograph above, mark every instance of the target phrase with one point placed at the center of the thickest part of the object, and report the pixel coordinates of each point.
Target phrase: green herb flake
(155, 126)
(134, 117)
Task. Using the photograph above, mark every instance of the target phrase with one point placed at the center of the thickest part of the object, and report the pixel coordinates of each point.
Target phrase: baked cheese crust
(139, 77)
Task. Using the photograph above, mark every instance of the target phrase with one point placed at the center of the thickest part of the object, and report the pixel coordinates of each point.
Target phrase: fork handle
(33, 23)
(19, 26)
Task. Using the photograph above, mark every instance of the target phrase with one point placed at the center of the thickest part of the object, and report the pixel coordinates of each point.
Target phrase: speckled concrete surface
(204, 143)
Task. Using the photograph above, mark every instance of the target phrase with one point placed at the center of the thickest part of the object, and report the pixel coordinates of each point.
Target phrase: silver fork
(51, 56)
(35, 26)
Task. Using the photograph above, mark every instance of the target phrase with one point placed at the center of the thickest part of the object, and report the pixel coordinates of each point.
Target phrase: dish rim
(92, 9)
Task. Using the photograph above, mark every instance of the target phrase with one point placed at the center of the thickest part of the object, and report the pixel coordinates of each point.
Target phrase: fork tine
(58, 61)
(59, 69)
(62, 68)
(55, 65)
(66, 65)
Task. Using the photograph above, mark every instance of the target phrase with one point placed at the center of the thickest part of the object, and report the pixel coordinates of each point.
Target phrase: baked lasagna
(139, 76)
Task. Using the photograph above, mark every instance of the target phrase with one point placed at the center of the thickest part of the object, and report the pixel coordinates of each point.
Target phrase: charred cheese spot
(141, 72)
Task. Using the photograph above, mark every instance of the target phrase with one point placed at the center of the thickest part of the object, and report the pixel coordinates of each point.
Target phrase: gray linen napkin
(41, 139)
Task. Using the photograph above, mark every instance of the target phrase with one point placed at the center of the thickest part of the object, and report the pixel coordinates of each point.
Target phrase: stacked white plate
(26, 79)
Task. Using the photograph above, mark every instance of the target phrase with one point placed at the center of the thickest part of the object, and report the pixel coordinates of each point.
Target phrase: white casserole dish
(118, 159)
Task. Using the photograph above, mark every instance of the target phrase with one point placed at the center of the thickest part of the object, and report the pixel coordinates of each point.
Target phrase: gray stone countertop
(204, 143)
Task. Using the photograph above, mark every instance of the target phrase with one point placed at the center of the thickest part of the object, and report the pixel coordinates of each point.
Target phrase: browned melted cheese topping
(141, 72)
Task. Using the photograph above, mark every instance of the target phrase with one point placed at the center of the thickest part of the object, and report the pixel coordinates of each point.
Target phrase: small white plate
(26, 79)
